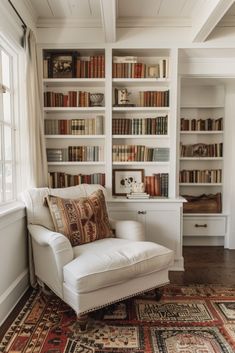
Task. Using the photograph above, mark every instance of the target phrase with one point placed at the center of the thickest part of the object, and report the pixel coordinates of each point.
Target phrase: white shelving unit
(56, 113)
(134, 86)
(201, 100)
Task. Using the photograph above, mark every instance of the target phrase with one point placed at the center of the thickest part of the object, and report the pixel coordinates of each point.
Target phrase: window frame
(14, 54)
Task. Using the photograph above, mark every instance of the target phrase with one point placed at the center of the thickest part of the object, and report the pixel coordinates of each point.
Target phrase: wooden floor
(203, 265)
(206, 265)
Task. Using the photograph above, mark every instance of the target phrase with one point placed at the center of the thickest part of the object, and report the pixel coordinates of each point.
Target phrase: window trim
(15, 52)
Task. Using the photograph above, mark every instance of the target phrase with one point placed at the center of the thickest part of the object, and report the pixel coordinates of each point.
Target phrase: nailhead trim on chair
(123, 298)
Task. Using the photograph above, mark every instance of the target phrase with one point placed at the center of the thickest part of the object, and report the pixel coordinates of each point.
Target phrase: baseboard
(178, 265)
(203, 241)
(13, 294)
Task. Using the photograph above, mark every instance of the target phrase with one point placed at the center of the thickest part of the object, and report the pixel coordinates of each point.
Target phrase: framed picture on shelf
(153, 71)
(123, 179)
(62, 65)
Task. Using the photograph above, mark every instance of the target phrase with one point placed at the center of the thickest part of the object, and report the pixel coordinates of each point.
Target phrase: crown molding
(153, 22)
(68, 22)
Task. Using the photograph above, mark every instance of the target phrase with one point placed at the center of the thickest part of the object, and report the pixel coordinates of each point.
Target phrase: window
(7, 124)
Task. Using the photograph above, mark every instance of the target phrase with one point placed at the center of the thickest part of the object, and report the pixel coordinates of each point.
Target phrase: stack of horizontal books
(138, 195)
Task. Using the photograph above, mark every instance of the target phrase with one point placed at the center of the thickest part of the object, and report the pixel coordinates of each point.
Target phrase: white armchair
(99, 273)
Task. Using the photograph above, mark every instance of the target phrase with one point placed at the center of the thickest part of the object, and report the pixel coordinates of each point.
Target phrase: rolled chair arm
(51, 251)
(131, 230)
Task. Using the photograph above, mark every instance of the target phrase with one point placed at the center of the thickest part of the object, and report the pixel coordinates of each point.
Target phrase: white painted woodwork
(155, 217)
(203, 226)
(13, 260)
(206, 17)
(108, 15)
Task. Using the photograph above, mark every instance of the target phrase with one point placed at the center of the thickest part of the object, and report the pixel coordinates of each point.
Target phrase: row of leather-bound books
(76, 154)
(88, 126)
(69, 99)
(208, 124)
(139, 153)
(61, 180)
(140, 126)
(157, 184)
(200, 176)
(202, 150)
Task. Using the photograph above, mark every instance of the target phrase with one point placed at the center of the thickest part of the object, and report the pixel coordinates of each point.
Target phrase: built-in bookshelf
(79, 146)
(75, 116)
(141, 115)
(201, 138)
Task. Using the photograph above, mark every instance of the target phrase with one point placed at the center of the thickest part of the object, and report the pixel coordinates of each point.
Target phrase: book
(125, 59)
(137, 196)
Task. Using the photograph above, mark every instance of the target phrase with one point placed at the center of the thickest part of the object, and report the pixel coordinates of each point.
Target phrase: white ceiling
(201, 15)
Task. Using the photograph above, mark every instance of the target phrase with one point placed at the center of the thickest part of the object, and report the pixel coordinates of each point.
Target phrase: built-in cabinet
(155, 217)
(201, 154)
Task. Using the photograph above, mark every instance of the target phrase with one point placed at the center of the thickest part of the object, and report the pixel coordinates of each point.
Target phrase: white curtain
(37, 150)
(37, 160)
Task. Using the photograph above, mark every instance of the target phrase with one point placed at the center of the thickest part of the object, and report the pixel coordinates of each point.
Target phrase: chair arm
(51, 251)
(131, 230)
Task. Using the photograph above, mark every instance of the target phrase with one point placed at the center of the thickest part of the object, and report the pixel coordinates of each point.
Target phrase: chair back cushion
(83, 220)
(37, 211)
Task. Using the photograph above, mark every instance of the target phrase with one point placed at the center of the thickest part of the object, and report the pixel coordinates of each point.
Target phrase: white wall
(13, 260)
(229, 188)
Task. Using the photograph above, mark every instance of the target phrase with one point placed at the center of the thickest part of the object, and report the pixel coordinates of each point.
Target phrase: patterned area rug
(192, 319)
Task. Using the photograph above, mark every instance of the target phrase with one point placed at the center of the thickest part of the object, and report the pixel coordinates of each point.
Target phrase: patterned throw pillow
(83, 220)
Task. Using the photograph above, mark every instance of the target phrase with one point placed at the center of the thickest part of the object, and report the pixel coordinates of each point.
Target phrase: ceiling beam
(206, 17)
(108, 15)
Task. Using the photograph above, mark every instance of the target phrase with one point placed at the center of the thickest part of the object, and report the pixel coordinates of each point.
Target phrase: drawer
(204, 226)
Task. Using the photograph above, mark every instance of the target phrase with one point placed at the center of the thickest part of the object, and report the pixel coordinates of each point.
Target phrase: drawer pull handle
(201, 225)
(141, 212)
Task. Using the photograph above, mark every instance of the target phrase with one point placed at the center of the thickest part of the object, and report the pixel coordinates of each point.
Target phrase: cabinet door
(124, 215)
(163, 227)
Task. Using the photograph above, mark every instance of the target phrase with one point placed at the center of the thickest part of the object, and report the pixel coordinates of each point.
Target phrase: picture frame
(153, 71)
(62, 65)
(122, 179)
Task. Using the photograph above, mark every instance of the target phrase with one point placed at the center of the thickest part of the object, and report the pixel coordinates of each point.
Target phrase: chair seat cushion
(107, 262)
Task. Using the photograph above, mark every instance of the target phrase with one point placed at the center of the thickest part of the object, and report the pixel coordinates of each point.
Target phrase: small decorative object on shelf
(137, 191)
(124, 179)
(62, 66)
(121, 98)
(96, 99)
(205, 203)
(137, 195)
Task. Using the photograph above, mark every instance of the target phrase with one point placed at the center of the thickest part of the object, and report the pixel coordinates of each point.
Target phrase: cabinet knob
(200, 225)
(141, 212)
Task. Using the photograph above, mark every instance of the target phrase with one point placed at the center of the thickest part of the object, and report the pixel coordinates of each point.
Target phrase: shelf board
(142, 163)
(140, 82)
(214, 132)
(140, 136)
(152, 199)
(141, 109)
(204, 214)
(201, 158)
(74, 82)
(73, 109)
(75, 136)
(200, 184)
(76, 163)
(202, 107)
